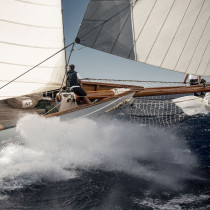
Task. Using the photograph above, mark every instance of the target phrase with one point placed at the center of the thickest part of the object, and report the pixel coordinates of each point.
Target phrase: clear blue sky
(95, 64)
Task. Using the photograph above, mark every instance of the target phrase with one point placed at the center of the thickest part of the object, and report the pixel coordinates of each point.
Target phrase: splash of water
(53, 150)
(178, 202)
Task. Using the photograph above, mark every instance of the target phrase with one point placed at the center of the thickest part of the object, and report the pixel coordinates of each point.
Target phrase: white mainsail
(172, 34)
(31, 31)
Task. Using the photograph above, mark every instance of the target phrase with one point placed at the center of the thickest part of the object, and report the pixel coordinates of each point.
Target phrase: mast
(63, 32)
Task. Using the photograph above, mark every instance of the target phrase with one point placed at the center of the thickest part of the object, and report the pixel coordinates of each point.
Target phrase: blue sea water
(111, 164)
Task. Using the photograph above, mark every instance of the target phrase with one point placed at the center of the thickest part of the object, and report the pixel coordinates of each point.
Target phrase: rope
(72, 49)
(36, 65)
(52, 109)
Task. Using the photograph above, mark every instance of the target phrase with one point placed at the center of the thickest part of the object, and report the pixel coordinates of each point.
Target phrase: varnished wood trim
(171, 90)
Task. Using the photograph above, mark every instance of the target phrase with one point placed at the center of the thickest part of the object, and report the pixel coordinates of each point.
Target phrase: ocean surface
(106, 164)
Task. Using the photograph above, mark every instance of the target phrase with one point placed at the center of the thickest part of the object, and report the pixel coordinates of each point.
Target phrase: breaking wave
(51, 150)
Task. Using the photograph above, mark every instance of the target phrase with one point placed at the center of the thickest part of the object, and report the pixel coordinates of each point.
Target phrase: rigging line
(98, 34)
(197, 44)
(134, 45)
(160, 30)
(189, 35)
(102, 28)
(72, 49)
(175, 34)
(105, 21)
(52, 109)
(36, 66)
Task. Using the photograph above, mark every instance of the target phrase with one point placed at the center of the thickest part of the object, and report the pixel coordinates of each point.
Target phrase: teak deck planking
(10, 115)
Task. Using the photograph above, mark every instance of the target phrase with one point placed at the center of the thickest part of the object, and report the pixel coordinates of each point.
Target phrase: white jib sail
(172, 34)
(31, 31)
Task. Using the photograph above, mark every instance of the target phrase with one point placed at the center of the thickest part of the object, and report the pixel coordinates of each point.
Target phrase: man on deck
(75, 84)
(194, 80)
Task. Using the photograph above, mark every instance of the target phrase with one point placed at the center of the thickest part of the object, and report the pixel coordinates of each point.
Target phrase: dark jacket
(72, 79)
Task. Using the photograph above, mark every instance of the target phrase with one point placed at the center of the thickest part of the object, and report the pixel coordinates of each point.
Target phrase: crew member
(194, 80)
(75, 84)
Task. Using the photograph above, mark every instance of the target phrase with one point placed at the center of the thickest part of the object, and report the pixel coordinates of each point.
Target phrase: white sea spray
(53, 150)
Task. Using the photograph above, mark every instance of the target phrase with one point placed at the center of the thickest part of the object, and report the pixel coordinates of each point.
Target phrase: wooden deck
(9, 115)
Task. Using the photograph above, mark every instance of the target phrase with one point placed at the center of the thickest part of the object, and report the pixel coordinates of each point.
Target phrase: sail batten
(41, 2)
(30, 46)
(30, 25)
(172, 34)
(28, 66)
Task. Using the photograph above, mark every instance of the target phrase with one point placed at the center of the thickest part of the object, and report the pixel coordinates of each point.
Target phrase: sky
(91, 63)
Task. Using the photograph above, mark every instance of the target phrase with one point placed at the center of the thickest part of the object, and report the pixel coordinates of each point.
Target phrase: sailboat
(171, 34)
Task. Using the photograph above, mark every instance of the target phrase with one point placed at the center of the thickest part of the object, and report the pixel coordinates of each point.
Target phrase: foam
(53, 150)
(175, 203)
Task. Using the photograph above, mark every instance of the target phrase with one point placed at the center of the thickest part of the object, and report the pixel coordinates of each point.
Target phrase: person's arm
(185, 79)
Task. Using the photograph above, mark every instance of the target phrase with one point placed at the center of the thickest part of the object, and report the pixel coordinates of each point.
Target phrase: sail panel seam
(133, 29)
(45, 5)
(120, 31)
(35, 26)
(175, 34)
(36, 66)
(189, 35)
(103, 22)
(21, 45)
(160, 31)
(44, 83)
(15, 64)
(203, 56)
(197, 44)
(102, 25)
(207, 66)
(143, 28)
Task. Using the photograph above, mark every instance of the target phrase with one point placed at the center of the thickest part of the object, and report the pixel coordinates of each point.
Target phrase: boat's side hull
(92, 111)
